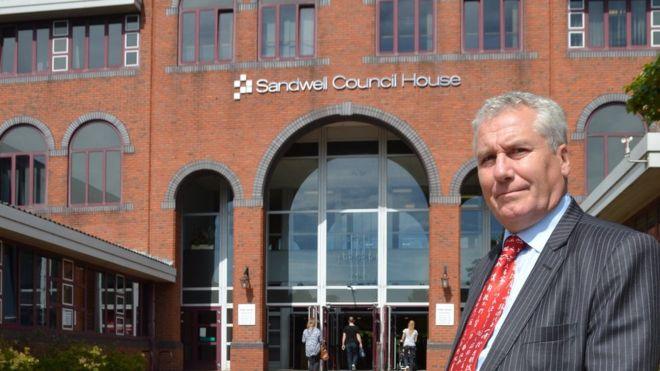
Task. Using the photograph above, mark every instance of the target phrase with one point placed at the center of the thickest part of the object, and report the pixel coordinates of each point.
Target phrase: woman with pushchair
(409, 341)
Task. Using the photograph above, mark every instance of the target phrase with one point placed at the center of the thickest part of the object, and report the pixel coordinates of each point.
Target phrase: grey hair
(550, 119)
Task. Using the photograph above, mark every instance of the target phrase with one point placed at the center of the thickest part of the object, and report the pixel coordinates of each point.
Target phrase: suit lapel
(534, 288)
(480, 275)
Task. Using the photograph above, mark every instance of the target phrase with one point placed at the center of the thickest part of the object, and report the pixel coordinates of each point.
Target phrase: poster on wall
(246, 315)
(444, 314)
(67, 319)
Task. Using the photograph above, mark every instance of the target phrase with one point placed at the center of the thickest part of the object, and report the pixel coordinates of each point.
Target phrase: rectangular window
(206, 35)
(491, 25)
(83, 44)
(616, 23)
(405, 26)
(8, 50)
(225, 35)
(287, 31)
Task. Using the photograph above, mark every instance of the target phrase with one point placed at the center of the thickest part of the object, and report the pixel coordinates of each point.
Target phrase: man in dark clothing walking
(350, 340)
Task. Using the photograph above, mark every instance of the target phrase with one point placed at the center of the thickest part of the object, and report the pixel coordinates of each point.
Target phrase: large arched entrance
(204, 220)
(347, 235)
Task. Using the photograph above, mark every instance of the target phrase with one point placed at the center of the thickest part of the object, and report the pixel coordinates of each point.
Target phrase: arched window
(605, 128)
(23, 166)
(95, 165)
(207, 28)
(480, 231)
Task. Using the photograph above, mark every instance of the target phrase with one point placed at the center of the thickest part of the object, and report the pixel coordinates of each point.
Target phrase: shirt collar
(538, 235)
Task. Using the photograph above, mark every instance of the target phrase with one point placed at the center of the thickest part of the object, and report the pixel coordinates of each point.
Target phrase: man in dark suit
(566, 291)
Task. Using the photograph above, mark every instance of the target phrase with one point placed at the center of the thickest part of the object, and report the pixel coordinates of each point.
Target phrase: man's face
(521, 177)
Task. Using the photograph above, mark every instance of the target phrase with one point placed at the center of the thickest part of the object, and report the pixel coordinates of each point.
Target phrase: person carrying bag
(311, 337)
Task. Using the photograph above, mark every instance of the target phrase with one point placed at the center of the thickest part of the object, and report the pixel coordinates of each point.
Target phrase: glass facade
(347, 213)
(204, 204)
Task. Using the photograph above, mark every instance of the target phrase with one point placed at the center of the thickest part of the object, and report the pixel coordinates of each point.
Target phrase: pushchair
(407, 359)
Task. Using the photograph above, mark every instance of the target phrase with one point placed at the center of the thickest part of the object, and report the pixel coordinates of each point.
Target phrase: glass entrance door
(335, 319)
(200, 329)
(398, 321)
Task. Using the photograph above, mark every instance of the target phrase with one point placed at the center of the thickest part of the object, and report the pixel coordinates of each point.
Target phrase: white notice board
(246, 315)
(444, 314)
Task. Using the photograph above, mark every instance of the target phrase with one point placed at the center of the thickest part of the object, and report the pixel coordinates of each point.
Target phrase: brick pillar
(248, 348)
(168, 349)
(444, 241)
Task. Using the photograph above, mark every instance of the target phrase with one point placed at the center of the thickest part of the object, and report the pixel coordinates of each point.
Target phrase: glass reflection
(292, 249)
(406, 183)
(294, 185)
(352, 257)
(201, 253)
(352, 183)
(408, 248)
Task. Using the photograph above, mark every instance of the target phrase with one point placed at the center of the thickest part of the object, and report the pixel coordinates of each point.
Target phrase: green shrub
(79, 357)
(12, 359)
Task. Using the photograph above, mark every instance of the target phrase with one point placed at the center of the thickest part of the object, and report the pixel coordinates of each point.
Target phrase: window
(79, 44)
(480, 231)
(23, 166)
(25, 48)
(600, 24)
(405, 26)
(207, 28)
(60, 294)
(491, 25)
(95, 165)
(287, 31)
(605, 129)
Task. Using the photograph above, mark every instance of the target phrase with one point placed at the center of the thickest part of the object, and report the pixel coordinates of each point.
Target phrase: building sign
(247, 315)
(444, 314)
(244, 85)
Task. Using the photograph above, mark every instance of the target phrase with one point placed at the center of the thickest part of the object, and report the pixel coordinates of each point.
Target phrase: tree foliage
(645, 93)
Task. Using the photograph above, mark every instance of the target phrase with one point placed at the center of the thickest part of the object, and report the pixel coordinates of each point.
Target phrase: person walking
(350, 340)
(311, 337)
(409, 341)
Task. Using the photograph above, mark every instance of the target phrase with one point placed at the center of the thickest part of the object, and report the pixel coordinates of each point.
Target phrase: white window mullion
(382, 217)
(322, 239)
(223, 268)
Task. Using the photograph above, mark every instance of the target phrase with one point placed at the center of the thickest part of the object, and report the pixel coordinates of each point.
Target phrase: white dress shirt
(535, 237)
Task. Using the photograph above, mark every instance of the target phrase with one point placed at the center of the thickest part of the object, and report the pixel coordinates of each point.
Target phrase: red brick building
(292, 158)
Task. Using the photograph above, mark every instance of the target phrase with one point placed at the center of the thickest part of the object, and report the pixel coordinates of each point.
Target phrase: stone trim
(171, 10)
(579, 54)
(61, 76)
(243, 7)
(248, 203)
(579, 199)
(248, 345)
(369, 2)
(126, 206)
(169, 201)
(438, 345)
(27, 120)
(580, 133)
(396, 59)
(461, 173)
(349, 109)
(446, 200)
(252, 65)
(103, 116)
(324, 2)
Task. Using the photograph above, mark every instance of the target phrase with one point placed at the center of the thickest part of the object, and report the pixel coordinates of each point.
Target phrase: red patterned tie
(488, 309)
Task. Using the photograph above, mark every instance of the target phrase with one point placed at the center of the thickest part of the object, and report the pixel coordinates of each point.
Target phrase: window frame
(34, 26)
(299, 4)
(503, 48)
(395, 40)
(12, 184)
(88, 152)
(606, 23)
(216, 40)
(605, 135)
(80, 284)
